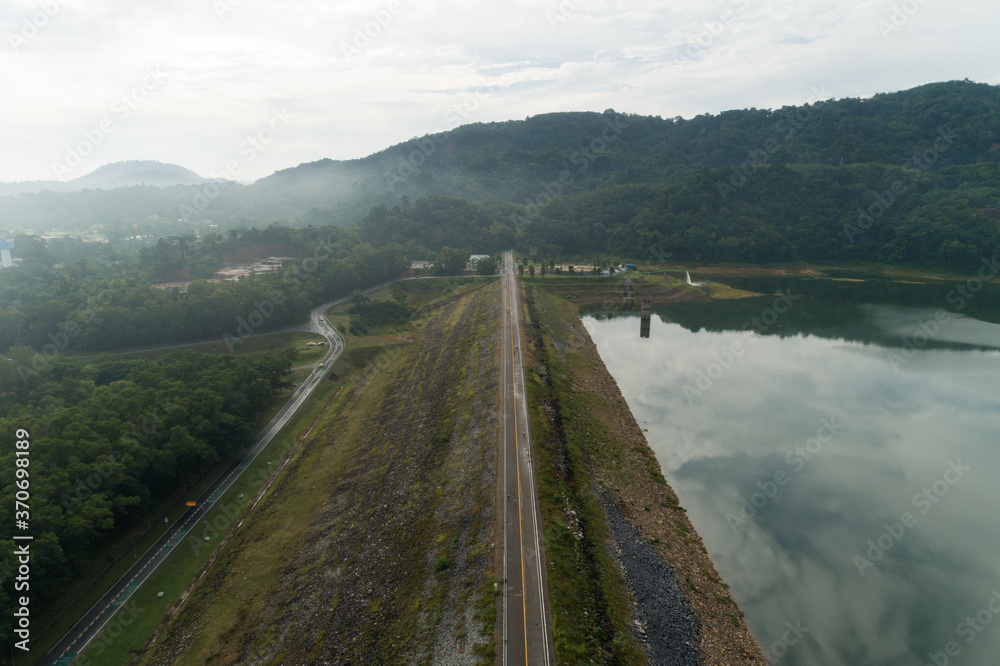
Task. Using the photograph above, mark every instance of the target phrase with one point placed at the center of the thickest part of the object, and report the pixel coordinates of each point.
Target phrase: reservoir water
(838, 450)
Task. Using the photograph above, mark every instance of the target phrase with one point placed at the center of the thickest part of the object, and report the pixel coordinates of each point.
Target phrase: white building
(474, 260)
(5, 247)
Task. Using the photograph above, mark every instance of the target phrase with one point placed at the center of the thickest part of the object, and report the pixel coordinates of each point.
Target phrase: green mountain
(515, 160)
(563, 159)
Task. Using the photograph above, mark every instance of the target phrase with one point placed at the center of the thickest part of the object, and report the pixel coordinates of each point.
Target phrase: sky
(242, 88)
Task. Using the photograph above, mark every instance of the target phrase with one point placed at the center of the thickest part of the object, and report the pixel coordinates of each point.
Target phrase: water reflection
(800, 452)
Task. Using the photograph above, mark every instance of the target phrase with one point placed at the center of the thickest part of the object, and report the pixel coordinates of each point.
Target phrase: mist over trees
(547, 155)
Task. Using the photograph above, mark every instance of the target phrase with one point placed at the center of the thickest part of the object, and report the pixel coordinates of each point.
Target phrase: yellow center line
(517, 451)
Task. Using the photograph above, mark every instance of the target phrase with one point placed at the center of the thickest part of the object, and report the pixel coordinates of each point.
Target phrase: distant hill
(522, 161)
(137, 172)
(112, 176)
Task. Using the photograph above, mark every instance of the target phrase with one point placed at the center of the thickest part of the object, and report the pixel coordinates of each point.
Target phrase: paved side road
(94, 620)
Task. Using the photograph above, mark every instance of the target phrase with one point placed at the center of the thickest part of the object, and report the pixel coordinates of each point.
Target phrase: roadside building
(474, 260)
(5, 247)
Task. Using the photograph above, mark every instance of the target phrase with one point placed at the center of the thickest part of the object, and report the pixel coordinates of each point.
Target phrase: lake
(838, 449)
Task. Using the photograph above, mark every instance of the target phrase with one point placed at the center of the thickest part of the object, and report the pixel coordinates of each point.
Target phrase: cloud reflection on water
(793, 559)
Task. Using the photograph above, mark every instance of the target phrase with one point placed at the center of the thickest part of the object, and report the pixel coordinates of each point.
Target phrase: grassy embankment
(801, 269)
(607, 291)
(589, 443)
(784, 269)
(126, 632)
(374, 545)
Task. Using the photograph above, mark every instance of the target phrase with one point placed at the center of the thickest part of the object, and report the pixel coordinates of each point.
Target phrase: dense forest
(862, 214)
(111, 439)
(93, 306)
(513, 161)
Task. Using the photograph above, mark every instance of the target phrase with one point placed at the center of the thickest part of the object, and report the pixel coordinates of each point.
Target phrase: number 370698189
(22, 450)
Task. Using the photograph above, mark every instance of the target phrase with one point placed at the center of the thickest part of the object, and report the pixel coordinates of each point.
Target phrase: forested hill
(509, 160)
(512, 161)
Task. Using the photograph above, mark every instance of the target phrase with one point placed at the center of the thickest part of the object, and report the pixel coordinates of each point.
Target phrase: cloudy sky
(259, 85)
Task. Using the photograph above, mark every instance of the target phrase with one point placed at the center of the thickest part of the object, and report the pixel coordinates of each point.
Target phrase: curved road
(93, 621)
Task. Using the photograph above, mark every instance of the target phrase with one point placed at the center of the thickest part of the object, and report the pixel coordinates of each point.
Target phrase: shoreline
(624, 472)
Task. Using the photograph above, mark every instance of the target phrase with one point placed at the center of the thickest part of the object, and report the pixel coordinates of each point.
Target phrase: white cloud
(364, 74)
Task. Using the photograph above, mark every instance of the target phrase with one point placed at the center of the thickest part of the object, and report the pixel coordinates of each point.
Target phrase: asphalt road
(526, 618)
(95, 619)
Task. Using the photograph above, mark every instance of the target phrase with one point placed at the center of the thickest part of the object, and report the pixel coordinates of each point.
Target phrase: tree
(182, 243)
(32, 249)
(450, 261)
(520, 270)
(359, 297)
(398, 292)
(531, 270)
(487, 266)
